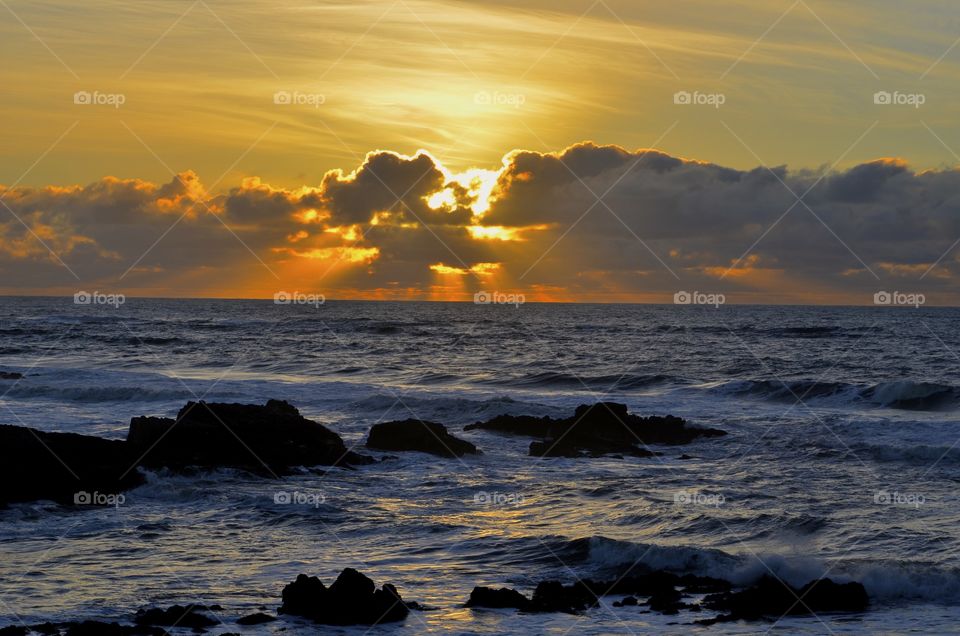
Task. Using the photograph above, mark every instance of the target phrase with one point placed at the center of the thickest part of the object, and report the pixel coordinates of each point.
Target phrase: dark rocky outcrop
(70, 468)
(772, 598)
(269, 439)
(597, 429)
(665, 593)
(417, 435)
(192, 616)
(351, 600)
(497, 599)
(9, 375)
(62, 467)
(256, 619)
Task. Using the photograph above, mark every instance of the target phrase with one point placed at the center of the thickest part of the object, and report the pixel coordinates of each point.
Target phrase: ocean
(842, 458)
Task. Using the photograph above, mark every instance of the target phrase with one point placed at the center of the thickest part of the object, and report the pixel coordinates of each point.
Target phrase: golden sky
(431, 149)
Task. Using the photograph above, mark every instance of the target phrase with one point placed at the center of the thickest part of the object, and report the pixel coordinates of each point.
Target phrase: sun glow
(479, 184)
(478, 269)
(344, 254)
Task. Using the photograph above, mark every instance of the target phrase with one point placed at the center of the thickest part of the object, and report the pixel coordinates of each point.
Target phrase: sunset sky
(415, 149)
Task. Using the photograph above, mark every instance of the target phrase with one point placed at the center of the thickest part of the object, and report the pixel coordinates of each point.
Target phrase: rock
(63, 467)
(667, 602)
(7, 375)
(256, 619)
(496, 599)
(352, 600)
(417, 435)
(598, 429)
(270, 439)
(770, 597)
(551, 596)
(525, 425)
(629, 601)
(177, 615)
(659, 586)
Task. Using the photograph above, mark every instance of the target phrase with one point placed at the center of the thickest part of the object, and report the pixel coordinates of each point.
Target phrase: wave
(903, 394)
(101, 394)
(885, 580)
(561, 380)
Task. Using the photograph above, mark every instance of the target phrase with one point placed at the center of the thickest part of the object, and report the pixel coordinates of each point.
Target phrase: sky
(600, 151)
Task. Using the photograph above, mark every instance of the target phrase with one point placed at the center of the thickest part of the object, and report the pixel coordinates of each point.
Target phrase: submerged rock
(663, 590)
(417, 435)
(497, 599)
(176, 616)
(351, 600)
(265, 439)
(63, 467)
(256, 619)
(771, 597)
(598, 429)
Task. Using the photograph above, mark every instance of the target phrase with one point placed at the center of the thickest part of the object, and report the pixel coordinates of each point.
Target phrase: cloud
(589, 222)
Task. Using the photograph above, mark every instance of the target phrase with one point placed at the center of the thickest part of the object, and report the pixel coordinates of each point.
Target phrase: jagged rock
(269, 439)
(63, 467)
(552, 596)
(496, 599)
(628, 601)
(597, 429)
(770, 597)
(352, 600)
(417, 435)
(256, 619)
(176, 615)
